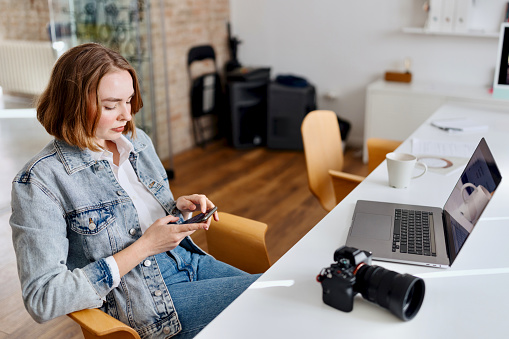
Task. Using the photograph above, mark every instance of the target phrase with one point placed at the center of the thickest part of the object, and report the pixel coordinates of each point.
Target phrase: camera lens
(402, 294)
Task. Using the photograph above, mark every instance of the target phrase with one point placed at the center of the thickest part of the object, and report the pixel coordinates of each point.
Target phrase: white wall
(342, 45)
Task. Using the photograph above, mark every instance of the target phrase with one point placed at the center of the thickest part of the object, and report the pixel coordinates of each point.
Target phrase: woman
(94, 221)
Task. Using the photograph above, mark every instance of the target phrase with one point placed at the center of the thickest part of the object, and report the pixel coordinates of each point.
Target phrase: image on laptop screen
(470, 196)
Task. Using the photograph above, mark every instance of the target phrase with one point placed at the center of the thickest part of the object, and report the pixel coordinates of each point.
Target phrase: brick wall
(24, 19)
(187, 23)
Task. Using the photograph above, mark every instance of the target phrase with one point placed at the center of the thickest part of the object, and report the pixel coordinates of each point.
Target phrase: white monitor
(501, 81)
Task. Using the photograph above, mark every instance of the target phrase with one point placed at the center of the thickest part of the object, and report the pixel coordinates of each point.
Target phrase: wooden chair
(377, 149)
(324, 159)
(235, 240)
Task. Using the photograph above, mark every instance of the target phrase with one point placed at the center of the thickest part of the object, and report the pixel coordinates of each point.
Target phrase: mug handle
(468, 184)
(425, 169)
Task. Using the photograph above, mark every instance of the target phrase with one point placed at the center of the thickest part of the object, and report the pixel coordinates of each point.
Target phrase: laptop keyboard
(413, 232)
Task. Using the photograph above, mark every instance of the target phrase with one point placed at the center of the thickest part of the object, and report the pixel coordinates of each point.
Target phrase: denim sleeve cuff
(173, 209)
(100, 276)
(177, 213)
(115, 274)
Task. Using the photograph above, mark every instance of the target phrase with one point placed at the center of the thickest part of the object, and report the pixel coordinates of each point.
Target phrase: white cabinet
(395, 110)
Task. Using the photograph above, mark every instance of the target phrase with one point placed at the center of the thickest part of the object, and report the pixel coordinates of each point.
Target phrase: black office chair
(206, 92)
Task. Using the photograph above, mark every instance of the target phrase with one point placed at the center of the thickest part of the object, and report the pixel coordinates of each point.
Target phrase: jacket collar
(75, 159)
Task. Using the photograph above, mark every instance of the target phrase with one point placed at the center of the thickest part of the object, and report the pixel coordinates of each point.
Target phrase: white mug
(401, 167)
(474, 203)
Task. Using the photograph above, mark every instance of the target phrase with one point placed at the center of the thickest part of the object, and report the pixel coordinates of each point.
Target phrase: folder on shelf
(434, 16)
(462, 14)
(449, 15)
(447, 19)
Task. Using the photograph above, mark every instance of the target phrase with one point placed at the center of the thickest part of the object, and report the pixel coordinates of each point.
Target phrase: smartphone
(202, 217)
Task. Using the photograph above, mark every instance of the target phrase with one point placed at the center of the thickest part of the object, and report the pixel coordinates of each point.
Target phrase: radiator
(25, 66)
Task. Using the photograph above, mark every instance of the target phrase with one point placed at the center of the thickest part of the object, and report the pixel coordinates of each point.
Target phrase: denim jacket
(69, 213)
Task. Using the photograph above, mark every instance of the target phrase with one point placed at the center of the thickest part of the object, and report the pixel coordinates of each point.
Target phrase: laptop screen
(469, 197)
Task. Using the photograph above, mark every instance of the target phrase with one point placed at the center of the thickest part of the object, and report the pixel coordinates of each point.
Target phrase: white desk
(468, 300)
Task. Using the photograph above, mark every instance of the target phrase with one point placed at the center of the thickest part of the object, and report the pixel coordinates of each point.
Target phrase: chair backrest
(239, 242)
(323, 152)
(199, 53)
(377, 149)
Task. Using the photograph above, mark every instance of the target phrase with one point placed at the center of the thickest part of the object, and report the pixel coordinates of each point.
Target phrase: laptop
(424, 235)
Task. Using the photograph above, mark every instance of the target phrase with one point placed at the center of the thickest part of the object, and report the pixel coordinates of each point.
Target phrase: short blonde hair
(64, 106)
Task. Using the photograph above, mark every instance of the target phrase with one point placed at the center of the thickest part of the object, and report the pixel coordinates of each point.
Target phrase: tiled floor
(21, 137)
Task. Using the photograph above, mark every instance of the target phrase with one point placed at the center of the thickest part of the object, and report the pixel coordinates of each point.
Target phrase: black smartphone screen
(202, 217)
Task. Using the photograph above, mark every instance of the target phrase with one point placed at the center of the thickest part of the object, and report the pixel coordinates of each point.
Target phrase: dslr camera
(352, 273)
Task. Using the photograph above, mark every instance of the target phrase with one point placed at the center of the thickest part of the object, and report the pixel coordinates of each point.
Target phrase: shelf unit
(475, 34)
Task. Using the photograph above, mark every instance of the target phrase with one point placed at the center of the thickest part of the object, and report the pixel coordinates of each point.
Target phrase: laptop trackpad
(372, 226)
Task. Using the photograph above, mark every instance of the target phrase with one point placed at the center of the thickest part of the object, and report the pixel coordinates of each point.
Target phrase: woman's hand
(160, 237)
(163, 236)
(187, 204)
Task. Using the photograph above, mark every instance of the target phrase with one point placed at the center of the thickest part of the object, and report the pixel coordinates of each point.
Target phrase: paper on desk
(443, 148)
(444, 157)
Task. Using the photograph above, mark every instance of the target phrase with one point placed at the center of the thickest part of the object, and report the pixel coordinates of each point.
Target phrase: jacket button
(132, 231)
(158, 293)
(166, 330)
(120, 193)
(91, 226)
(147, 263)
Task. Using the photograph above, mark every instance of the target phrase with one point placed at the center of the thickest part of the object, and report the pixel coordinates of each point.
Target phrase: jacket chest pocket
(90, 229)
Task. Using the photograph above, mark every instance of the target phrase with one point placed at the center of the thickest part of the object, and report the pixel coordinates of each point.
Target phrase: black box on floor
(287, 106)
(248, 112)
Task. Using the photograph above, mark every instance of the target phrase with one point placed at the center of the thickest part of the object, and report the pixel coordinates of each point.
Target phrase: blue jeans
(200, 287)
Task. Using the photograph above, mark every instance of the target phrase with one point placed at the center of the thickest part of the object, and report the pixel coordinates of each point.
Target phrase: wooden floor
(262, 184)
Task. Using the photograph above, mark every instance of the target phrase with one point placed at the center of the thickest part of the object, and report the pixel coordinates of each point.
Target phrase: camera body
(352, 273)
(338, 280)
